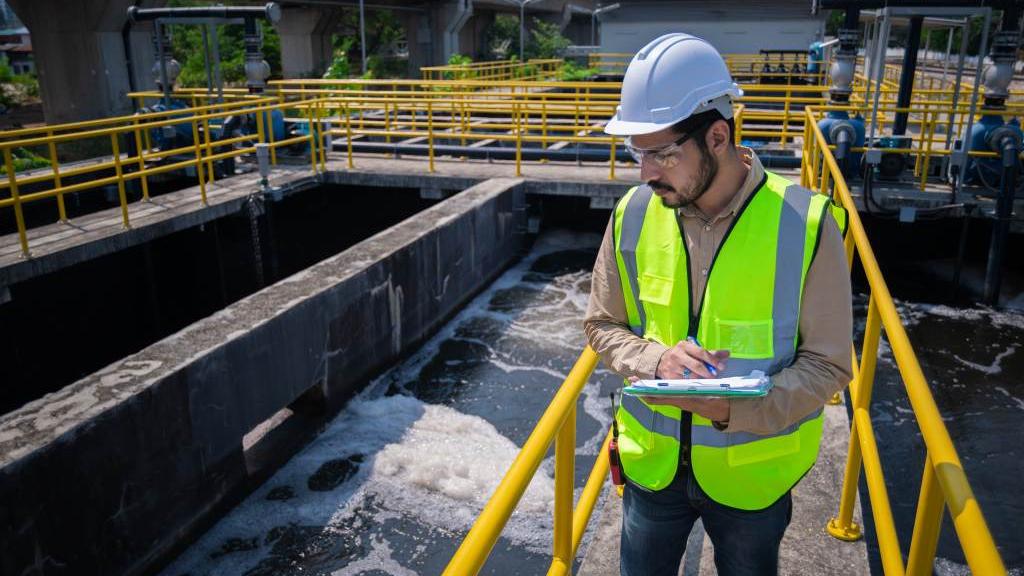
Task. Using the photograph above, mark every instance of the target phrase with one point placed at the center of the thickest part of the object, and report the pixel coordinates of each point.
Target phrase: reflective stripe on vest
(760, 326)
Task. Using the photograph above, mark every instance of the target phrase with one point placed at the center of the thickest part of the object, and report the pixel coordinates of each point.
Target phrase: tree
(383, 32)
(502, 37)
(187, 49)
(547, 40)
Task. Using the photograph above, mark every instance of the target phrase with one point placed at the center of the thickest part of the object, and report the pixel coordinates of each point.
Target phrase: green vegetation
(187, 48)
(572, 72)
(17, 89)
(544, 39)
(25, 159)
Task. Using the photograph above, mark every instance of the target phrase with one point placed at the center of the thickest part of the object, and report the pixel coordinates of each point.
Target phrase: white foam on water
(427, 462)
(1014, 399)
(379, 558)
(991, 369)
(946, 567)
(424, 461)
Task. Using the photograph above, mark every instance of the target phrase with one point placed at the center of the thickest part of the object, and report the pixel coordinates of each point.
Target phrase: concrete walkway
(806, 548)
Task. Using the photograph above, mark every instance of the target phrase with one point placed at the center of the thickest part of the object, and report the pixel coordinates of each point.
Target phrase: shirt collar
(754, 177)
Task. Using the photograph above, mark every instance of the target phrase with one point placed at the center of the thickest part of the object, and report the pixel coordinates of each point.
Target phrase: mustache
(658, 185)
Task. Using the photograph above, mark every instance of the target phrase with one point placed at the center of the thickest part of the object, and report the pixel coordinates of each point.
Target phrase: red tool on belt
(613, 449)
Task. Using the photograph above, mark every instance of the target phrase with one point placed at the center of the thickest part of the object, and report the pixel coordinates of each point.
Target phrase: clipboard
(754, 385)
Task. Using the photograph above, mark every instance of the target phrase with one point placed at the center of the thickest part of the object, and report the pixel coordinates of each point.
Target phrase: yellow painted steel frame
(558, 425)
(944, 484)
(201, 153)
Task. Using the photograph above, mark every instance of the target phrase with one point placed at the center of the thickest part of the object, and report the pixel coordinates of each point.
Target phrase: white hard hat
(672, 78)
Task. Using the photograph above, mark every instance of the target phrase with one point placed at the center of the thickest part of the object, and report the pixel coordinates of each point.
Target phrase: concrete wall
(732, 28)
(103, 476)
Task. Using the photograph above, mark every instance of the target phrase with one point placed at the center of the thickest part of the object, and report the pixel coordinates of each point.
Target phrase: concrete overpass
(88, 56)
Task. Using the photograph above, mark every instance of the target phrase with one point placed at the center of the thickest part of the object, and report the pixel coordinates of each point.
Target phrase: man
(717, 251)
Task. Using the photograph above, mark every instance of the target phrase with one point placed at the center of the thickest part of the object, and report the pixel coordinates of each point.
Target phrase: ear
(717, 137)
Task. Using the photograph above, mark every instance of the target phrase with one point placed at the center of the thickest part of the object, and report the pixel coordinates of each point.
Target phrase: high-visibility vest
(751, 307)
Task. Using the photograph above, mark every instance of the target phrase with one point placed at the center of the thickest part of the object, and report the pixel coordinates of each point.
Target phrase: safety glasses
(666, 156)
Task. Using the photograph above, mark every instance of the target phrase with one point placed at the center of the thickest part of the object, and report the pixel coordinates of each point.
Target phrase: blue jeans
(655, 526)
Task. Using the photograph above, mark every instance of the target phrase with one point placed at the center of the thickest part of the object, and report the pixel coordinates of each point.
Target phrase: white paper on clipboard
(757, 383)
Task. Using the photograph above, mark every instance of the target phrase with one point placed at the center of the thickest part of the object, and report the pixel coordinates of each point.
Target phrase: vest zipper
(686, 422)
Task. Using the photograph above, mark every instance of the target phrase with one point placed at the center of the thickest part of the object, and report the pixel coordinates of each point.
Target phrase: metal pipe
(899, 126)
(271, 11)
(882, 47)
(1001, 228)
(362, 34)
(500, 153)
(215, 40)
(206, 61)
(966, 148)
(945, 61)
(163, 63)
(869, 4)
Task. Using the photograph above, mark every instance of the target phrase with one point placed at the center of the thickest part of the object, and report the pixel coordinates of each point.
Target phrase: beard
(706, 173)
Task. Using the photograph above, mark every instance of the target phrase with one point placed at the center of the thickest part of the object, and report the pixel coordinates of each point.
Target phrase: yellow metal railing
(558, 425)
(496, 70)
(118, 167)
(944, 484)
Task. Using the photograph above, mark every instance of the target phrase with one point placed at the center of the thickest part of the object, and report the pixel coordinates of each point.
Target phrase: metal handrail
(558, 425)
(944, 483)
(201, 153)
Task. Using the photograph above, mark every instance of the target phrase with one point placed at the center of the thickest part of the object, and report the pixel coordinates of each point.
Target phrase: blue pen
(708, 365)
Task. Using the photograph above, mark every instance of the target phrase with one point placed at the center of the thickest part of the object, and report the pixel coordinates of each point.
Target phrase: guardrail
(944, 483)
(143, 159)
(558, 425)
(496, 70)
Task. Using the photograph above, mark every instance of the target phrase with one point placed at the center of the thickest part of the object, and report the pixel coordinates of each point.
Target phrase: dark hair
(700, 123)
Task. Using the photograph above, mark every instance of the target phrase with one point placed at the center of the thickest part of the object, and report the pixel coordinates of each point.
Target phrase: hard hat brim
(616, 127)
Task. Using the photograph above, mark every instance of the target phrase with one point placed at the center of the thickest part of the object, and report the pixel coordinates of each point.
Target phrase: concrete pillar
(420, 40)
(306, 49)
(80, 55)
(141, 56)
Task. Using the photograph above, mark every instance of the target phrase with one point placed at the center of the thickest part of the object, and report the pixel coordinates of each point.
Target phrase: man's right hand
(686, 360)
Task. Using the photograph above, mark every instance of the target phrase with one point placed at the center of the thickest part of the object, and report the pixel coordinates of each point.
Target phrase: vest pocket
(655, 289)
(744, 338)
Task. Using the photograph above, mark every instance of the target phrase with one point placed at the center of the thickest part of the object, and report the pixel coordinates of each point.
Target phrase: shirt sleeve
(607, 325)
(822, 365)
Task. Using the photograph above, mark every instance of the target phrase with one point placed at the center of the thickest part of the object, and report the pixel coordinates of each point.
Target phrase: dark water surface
(973, 359)
(395, 481)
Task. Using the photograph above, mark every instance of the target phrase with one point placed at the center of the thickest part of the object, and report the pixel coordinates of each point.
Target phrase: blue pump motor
(175, 135)
(837, 121)
(985, 136)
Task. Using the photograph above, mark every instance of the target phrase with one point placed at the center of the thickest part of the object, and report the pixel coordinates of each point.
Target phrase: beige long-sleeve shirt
(821, 366)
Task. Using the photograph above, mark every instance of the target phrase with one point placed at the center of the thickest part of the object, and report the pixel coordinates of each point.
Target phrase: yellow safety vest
(751, 307)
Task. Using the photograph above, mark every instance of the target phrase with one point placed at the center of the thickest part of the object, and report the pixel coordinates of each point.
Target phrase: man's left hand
(715, 409)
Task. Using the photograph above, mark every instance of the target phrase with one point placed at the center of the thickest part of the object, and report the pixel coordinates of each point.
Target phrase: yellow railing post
(517, 113)
(199, 163)
(477, 545)
(120, 178)
(430, 133)
(348, 134)
(323, 141)
(55, 164)
(927, 523)
(611, 159)
(19, 217)
(312, 137)
(785, 116)
(142, 162)
(565, 471)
